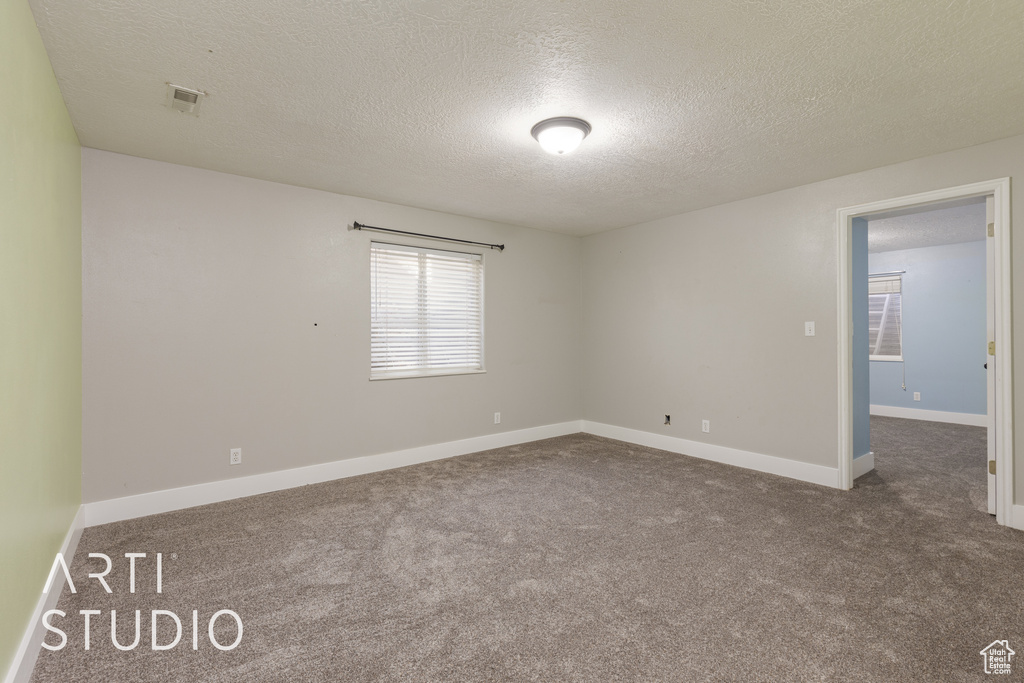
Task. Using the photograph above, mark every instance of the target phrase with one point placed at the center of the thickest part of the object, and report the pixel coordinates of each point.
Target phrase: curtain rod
(362, 226)
(891, 272)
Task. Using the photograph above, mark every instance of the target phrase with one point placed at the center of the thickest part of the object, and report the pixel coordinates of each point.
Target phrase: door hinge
(991, 466)
(991, 348)
(991, 229)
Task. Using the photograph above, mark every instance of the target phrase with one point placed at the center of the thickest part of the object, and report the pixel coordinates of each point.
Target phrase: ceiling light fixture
(561, 134)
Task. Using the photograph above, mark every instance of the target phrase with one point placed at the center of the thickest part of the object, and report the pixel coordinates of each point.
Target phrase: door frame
(1000, 278)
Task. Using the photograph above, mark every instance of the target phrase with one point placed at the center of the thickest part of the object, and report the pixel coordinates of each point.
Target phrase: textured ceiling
(951, 225)
(430, 102)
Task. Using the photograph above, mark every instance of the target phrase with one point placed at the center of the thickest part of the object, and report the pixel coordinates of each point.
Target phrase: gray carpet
(575, 559)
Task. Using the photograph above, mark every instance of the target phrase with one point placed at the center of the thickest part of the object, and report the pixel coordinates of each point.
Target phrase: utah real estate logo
(997, 657)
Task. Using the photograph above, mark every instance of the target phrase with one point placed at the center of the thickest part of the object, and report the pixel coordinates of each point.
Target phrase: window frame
(425, 371)
(880, 357)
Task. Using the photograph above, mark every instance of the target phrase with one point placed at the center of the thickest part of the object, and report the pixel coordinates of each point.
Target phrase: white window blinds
(885, 317)
(426, 311)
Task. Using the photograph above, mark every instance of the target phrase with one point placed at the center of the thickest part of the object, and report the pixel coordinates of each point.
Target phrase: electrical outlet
(809, 329)
(917, 395)
(236, 456)
(497, 418)
(668, 419)
(705, 426)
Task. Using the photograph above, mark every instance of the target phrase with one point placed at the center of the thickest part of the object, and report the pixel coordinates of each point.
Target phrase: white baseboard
(816, 474)
(1018, 517)
(930, 415)
(28, 650)
(863, 464)
(167, 500)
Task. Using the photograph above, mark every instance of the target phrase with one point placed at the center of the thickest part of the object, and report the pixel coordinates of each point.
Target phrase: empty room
(431, 340)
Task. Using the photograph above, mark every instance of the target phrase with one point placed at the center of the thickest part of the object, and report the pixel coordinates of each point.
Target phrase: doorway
(852, 225)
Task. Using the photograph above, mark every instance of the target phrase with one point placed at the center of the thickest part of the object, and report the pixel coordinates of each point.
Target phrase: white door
(990, 327)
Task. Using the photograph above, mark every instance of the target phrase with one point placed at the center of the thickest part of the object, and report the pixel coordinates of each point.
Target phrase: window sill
(886, 359)
(416, 375)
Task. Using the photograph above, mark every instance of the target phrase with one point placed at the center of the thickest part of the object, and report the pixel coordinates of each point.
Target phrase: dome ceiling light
(561, 134)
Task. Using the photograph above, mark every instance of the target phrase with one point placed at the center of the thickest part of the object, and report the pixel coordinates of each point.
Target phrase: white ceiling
(429, 103)
(962, 222)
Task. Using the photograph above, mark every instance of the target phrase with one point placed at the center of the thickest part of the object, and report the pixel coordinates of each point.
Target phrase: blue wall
(859, 351)
(944, 338)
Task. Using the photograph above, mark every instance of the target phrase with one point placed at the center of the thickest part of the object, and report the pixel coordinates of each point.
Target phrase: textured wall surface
(701, 315)
(222, 312)
(943, 329)
(40, 322)
(430, 102)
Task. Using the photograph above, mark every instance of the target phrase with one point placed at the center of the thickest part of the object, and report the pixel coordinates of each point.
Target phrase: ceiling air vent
(184, 100)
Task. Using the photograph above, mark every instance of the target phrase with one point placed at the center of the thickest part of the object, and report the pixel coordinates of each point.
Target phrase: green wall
(40, 322)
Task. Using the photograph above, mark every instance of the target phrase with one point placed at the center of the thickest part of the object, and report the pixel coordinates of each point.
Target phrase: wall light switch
(809, 329)
(917, 395)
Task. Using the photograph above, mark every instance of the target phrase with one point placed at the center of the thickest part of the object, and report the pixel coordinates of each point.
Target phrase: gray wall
(944, 335)
(701, 315)
(201, 291)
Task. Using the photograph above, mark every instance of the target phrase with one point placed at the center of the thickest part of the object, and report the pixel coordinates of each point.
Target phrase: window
(426, 312)
(885, 317)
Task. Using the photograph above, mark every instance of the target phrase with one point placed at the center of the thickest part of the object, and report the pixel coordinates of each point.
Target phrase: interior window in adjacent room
(885, 317)
(426, 311)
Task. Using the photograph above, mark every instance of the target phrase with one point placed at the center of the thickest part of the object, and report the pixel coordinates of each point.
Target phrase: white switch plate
(917, 395)
(705, 426)
(809, 329)
(236, 456)
(497, 418)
